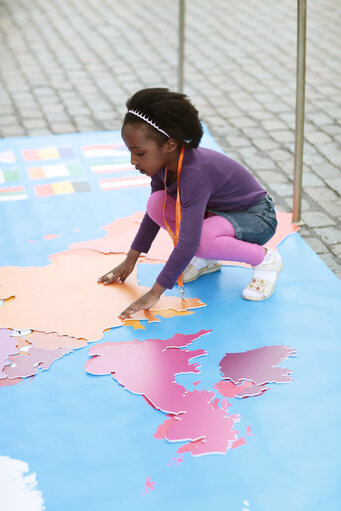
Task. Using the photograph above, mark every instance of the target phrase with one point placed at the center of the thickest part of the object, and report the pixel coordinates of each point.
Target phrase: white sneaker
(264, 277)
(199, 266)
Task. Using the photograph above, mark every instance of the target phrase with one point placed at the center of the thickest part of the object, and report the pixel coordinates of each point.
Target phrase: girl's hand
(122, 271)
(145, 302)
(118, 274)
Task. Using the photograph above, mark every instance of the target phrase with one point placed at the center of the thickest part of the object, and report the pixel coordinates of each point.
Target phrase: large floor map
(209, 401)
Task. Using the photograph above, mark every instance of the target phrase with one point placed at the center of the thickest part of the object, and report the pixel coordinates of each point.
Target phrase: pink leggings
(218, 237)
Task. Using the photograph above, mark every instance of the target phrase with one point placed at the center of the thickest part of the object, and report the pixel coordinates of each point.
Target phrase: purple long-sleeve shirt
(209, 180)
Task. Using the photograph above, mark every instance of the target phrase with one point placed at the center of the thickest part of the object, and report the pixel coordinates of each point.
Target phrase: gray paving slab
(69, 66)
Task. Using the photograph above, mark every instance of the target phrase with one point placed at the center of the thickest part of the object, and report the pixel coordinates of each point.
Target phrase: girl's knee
(155, 205)
(206, 240)
(215, 229)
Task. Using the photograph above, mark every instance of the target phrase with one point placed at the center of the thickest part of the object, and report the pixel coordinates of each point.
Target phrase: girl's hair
(171, 111)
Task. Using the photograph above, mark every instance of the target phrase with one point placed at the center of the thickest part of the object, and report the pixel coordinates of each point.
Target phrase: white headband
(145, 118)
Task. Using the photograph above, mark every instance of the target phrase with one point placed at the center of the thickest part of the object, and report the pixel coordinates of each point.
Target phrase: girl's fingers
(111, 277)
(144, 303)
(134, 307)
(108, 278)
(126, 313)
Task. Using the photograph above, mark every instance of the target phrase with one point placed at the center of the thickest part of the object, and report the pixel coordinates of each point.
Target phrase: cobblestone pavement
(69, 66)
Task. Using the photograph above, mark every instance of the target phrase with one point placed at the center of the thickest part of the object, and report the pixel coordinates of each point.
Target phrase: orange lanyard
(175, 236)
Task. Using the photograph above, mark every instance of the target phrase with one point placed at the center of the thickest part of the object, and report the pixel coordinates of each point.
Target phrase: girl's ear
(172, 145)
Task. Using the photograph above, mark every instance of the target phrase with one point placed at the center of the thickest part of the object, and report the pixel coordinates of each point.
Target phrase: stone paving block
(330, 235)
(282, 189)
(282, 135)
(277, 107)
(317, 219)
(57, 117)
(12, 131)
(336, 250)
(62, 127)
(316, 245)
(243, 121)
(334, 208)
(322, 194)
(278, 155)
(332, 129)
(48, 100)
(304, 231)
(32, 124)
(8, 120)
(305, 205)
(335, 184)
(310, 179)
(76, 110)
(274, 125)
(38, 132)
(289, 118)
(335, 159)
(6, 110)
(272, 176)
(331, 262)
(55, 108)
(237, 141)
(326, 170)
(259, 162)
(313, 158)
(103, 116)
(317, 137)
(265, 144)
(319, 118)
(330, 149)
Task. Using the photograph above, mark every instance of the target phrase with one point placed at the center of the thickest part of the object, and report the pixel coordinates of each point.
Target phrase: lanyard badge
(175, 236)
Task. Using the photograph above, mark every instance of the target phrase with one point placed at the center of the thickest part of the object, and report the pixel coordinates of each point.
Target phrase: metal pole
(300, 100)
(181, 45)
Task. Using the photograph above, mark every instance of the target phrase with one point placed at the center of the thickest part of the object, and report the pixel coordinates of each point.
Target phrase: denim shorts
(256, 224)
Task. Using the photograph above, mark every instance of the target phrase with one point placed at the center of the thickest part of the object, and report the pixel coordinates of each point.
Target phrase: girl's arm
(194, 197)
(144, 302)
(123, 270)
(193, 211)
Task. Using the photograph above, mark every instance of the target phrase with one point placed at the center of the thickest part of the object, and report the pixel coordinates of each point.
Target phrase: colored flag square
(81, 186)
(62, 187)
(8, 175)
(48, 153)
(31, 154)
(55, 171)
(58, 170)
(7, 156)
(36, 172)
(74, 169)
(65, 152)
(44, 190)
(111, 167)
(12, 193)
(11, 175)
(130, 182)
(101, 150)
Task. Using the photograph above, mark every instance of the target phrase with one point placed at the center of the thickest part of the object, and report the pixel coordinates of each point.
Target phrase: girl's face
(146, 155)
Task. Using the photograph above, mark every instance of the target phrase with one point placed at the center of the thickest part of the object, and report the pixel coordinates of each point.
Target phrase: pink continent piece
(258, 366)
(8, 346)
(148, 368)
(246, 389)
(27, 364)
(51, 236)
(208, 428)
(149, 486)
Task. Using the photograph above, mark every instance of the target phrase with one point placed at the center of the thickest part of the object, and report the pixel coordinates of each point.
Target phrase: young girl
(211, 205)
